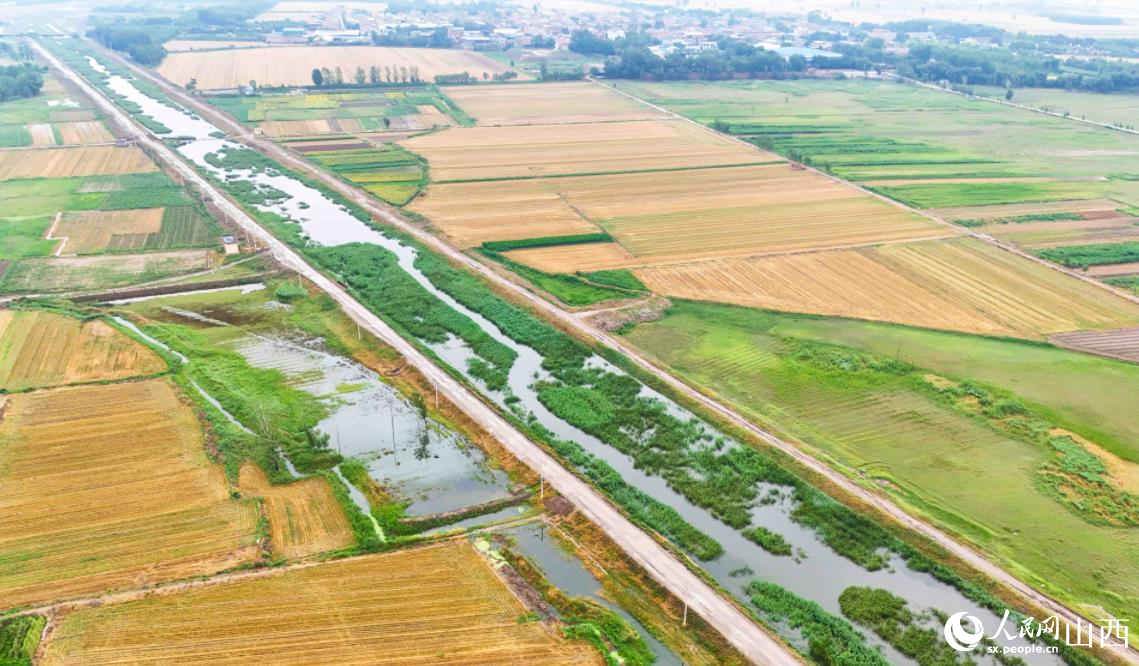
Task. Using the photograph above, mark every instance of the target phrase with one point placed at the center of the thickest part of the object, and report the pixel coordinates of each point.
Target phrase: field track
(440, 604)
(304, 517)
(107, 487)
(40, 349)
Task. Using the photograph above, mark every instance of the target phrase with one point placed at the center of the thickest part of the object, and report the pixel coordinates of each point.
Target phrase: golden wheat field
(41, 134)
(304, 517)
(293, 65)
(45, 349)
(439, 604)
(548, 104)
(471, 153)
(962, 285)
(677, 215)
(573, 258)
(69, 162)
(92, 231)
(106, 487)
(84, 132)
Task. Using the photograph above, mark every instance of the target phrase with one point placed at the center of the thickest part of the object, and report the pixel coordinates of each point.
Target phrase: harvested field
(84, 132)
(304, 517)
(108, 487)
(292, 65)
(94, 231)
(573, 258)
(1109, 270)
(279, 128)
(42, 134)
(68, 162)
(675, 216)
(71, 116)
(99, 272)
(1015, 210)
(44, 349)
(548, 104)
(962, 285)
(1050, 234)
(473, 153)
(1122, 343)
(440, 604)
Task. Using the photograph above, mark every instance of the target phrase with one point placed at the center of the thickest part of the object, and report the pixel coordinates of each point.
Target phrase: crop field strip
(292, 65)
(69, 162)
(548, 104)
(87, 232)
(39, 349)
(99, 271)
(1122, 343)
(304, 516)
(106, 487)
(492, 153)
(672, 217)
(440, 603)
(84, 132)
(963, 285)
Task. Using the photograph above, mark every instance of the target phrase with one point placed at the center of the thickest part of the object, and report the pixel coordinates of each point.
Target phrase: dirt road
(739, 629)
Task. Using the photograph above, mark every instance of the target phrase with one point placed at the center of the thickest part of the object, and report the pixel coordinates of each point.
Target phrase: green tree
(317, 77)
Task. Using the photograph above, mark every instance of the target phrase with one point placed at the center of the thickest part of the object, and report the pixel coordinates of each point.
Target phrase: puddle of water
(568, 574)
(821, 577)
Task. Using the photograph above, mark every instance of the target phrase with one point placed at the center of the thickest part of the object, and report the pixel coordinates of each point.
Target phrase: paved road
(743, 633)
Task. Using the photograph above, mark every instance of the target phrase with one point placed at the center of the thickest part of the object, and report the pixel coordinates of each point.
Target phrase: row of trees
(136, 42)
(375, 75)
(18, 81)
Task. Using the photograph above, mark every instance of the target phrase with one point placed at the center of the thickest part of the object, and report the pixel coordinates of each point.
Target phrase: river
(822, 574)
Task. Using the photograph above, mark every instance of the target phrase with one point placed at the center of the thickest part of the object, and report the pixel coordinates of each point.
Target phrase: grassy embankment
(897, 407)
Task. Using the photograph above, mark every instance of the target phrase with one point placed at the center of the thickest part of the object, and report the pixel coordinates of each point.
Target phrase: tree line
(19, 81)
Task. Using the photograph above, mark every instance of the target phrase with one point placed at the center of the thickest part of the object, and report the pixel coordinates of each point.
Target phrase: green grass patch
(1092, 255)
(888, 616)
(24, 237)
(620, 278)
(546, 241)
(944, 195)
(19, 638)
(13, 136)
(829, 639)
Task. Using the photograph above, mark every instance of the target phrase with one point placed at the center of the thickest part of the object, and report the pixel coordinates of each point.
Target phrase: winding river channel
(817, 573)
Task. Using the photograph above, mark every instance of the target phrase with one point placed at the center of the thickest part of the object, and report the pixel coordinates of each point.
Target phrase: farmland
(99, 271)
(94, 231)
(847, 391)
(56, 116)
(960, 285)
(386, 171)
(131, 500)
(70, 162)
(42, 349)
(292, 65)
(1113, 109)
(304, 516)
(442, 602)
(399, 110)
(494, 153)
(557, 103)
(937, 151)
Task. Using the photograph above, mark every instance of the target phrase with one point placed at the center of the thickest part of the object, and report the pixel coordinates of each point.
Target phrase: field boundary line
(387, 213)
(936, 218)
(50, 235)
(729, 618)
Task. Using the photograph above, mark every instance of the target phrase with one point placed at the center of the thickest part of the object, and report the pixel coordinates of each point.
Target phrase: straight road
(570, 321)
(739, 629)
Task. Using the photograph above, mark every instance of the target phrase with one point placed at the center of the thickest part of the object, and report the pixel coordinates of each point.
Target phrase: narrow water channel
(822, 574)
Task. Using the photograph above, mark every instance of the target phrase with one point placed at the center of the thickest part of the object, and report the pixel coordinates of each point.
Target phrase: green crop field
(874, 130)
(24, 237)
(388, 172)
(864, 406)
(1113, 109)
